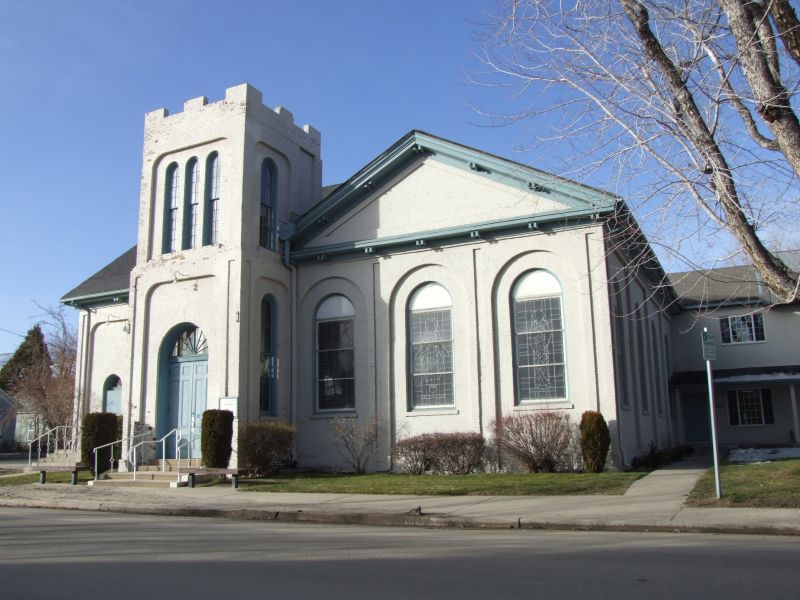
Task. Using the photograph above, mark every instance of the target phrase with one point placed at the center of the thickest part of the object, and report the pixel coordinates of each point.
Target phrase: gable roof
(112, 279)
(581, 199)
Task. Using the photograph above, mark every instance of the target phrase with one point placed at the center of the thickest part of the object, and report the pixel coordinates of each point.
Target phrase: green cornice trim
(416, 144)
(454, 235)
(99, 299)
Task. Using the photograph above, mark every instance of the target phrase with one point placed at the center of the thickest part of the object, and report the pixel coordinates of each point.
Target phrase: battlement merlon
(244, 95)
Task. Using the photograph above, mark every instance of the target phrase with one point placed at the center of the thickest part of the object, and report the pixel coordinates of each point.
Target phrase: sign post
(709, 354)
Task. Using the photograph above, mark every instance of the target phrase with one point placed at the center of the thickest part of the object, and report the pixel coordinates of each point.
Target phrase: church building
(438, 289)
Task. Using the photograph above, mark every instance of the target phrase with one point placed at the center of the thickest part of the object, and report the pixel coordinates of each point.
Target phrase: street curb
(410, 519)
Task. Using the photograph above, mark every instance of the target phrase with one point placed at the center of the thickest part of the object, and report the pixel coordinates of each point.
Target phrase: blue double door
(188, 385)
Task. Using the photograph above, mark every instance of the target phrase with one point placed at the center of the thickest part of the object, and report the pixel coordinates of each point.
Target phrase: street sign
(709, 346)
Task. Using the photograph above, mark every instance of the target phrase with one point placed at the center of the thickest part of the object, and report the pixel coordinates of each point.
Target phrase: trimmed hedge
(442, 453)
(595, 441)
(98, 429)
(264, 446)
(215, 438)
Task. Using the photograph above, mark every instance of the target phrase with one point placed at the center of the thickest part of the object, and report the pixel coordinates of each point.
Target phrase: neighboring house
(8, 422)
(438, 289)
(757, 370)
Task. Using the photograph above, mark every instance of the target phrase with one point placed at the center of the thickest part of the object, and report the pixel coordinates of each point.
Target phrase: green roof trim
(488, 229)
(99, 299)
(416, 144)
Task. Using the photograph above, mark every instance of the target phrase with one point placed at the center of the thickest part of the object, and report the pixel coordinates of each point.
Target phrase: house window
(750, 407)
(211, 224)
(191, 210)
(430, 347)
(267, 223)
(171, 195)
(742, 329)
(538, 332)
(268, 359)
(335, 325)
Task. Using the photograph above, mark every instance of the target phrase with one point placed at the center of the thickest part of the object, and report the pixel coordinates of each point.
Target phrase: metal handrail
(53, 434)
(189, 442)
(163, 442)
(111, 458)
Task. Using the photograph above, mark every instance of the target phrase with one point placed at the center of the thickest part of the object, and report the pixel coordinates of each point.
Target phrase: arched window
(641, 369)
(538, 330)
(267, 221)
(171, 200)
(191, 208)
(267, 358)
(430, 347)
(211, 221)
(335, 325)
(657, 371)
(112, 395)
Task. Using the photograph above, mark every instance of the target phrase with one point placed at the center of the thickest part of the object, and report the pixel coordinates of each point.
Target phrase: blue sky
(79, 76)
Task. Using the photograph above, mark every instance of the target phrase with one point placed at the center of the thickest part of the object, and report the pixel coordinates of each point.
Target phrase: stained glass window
(172, 193)
(335, 324)
(538, 338)
(431, 347)
(267, 227)
(742, 329)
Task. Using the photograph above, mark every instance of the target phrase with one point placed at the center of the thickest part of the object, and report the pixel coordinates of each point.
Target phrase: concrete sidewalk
(653, 503)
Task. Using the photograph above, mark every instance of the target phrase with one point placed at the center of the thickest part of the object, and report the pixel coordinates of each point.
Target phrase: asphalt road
(59, 554)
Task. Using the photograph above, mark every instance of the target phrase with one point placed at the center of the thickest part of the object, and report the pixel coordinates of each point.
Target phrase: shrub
(216, 433)
(414, 454)
(540, 440)
(354, 441)
(443, 453)
(264, 445)
(595, 441)
(457, 453)
(659, 457)
(98, 429)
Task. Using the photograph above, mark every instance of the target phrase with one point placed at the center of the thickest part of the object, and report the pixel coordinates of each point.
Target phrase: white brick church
(437, 289)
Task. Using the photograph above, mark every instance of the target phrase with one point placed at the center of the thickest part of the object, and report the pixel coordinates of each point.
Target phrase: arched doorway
(112, 395)
(183, 384)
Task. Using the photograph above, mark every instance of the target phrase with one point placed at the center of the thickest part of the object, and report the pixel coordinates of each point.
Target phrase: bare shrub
(540, 440)
(457, 453)
(263, 446)
(414, 454)
(355, 441)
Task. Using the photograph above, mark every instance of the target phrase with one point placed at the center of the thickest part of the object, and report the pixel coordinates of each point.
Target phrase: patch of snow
(754, 455)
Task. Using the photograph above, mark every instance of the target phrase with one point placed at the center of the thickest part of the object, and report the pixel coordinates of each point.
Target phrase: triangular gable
(533, 194)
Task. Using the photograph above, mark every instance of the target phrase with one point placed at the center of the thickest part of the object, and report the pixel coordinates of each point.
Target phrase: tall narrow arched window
(657, 371)
(641, 369)
(267, 221)
(112, 395)
(430, 347)
(335, 333)
(171, 201)
(191, 208)
(211, 220)
(538, 331)
(268, 358)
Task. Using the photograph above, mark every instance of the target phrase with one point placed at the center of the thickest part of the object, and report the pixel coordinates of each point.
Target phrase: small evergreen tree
(28, 360)
(595, 441)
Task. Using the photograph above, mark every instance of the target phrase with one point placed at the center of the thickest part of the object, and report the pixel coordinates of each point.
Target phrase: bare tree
(687, 107)
(355, 442)
(41, 375)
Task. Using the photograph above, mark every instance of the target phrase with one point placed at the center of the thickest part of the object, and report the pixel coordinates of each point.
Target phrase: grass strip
(763, 485)
(483, 484)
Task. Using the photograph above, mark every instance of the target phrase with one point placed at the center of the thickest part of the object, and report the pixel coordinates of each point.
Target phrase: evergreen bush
(595, 441)
(98, 429)
(264, 446)
(215, 438)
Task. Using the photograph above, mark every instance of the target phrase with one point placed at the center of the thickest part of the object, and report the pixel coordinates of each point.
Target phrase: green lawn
(486, 484)
(775, 485)
(83, 477)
